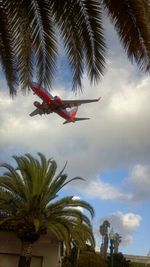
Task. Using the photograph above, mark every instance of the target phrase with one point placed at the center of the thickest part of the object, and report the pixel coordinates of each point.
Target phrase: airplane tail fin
(76, 119)
(73, 111)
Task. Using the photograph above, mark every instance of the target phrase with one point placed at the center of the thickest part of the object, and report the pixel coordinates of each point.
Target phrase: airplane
(67, 109)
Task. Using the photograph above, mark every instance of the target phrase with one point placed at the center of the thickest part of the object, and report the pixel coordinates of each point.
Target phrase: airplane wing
(40, 112)
(36, 112)
(69, 103)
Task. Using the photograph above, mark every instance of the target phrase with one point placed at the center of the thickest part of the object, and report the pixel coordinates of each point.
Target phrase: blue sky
(111, 151)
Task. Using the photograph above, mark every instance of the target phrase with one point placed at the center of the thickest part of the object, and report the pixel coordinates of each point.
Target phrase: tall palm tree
(29, 30)
(28, 204)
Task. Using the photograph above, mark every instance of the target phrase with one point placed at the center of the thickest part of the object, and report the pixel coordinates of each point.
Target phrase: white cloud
(117, 134)
(125, 224)
(139, 182)
(135, 188)
(105, 191)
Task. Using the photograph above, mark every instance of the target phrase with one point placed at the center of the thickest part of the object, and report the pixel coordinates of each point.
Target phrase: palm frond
(79, 232)
(26, 172)
(66, 18)
(131, 20)
(24, 44)
(7, 51)
(81, 28)
(16, 183)
(71, 213)
(93, 39)
(45, 162)
(62, 232)
(70, 202)
(44, 40)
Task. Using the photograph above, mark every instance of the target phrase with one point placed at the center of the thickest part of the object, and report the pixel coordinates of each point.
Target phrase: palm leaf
(44, 41)
(7, 51)
(69, 202)
(131, 20)
(81, 28)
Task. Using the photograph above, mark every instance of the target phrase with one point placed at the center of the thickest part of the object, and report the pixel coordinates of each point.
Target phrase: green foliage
(87, 258)
(90, 259)
(71, 259)
(118, 260)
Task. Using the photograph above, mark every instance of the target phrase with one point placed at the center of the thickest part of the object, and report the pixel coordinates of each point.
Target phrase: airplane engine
(58, 100)
(37, 104)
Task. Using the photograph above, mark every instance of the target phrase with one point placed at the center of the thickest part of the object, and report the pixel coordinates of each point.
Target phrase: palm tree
(28, 205)
(29, 30)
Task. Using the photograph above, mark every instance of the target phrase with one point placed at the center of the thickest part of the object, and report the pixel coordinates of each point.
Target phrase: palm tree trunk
(26, 255)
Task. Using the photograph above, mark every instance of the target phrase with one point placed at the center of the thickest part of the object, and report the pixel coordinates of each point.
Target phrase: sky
(111, 151)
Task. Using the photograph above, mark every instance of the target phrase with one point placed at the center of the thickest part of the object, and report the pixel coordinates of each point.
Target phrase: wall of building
(136, 258)
(45, 251)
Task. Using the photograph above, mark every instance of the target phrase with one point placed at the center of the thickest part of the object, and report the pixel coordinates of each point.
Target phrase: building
(46, 252)
(138, 259)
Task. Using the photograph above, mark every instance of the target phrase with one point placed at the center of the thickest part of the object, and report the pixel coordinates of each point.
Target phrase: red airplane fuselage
(55, 104)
